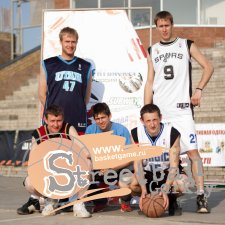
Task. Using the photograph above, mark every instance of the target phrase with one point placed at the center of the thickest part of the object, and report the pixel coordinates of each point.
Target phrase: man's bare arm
(174, 154)
(206, 75)
(42, 87)
(148, 91)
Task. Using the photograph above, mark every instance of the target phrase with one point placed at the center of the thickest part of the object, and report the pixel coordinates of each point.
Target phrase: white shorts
(186, 126)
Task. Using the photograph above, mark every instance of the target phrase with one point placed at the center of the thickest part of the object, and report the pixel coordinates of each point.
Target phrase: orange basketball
(152, 206)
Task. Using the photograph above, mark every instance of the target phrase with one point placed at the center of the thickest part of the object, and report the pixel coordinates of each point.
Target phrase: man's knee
(193, 155)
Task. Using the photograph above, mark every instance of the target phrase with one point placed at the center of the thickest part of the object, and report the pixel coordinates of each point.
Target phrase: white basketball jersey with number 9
(172, 81)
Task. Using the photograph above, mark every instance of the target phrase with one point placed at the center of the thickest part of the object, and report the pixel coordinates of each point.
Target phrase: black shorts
(155, 180)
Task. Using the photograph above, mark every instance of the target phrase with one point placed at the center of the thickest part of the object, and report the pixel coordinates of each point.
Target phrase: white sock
(34, 196)
(200, 192)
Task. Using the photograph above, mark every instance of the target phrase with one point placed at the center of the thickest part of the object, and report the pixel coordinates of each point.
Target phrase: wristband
(199, 89)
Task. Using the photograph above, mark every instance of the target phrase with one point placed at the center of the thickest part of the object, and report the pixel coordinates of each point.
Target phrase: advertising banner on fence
(211, 143)
(108, 40)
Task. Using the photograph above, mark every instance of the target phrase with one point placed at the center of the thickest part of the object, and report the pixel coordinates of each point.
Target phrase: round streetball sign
(59, 168)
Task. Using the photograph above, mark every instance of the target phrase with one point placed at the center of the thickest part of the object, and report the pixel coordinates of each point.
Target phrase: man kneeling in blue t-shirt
(103, 123)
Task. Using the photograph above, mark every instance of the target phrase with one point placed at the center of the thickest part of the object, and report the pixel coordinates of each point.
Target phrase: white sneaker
(51, 204)
(79, 210)
(47, 210)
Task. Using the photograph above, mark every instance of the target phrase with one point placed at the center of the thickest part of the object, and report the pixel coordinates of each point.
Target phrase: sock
(200, 192)
(34, 196)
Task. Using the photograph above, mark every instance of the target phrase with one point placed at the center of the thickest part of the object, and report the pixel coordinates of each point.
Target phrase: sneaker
(79, 210)
(99, 208)
(28, 208)
(50, 205)
(135, 200)
(202, 204)
(125, 207)
(174, 208)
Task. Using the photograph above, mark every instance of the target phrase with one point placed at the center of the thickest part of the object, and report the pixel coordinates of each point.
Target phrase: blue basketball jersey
(67, 84)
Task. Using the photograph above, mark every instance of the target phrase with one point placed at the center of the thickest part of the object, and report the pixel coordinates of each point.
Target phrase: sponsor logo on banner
(211, 144)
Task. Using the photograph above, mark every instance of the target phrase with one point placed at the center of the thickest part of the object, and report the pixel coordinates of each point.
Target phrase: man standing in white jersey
(169, 86)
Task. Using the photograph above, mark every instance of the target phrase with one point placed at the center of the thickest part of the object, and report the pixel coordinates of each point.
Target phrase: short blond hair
(68, 30)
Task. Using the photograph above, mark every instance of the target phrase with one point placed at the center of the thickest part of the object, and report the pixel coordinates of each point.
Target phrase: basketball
(152, 206)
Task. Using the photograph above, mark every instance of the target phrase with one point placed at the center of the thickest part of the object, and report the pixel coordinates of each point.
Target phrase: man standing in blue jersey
(65, 80)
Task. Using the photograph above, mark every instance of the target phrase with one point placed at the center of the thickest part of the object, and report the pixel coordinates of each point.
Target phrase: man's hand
(103, 171)
(196, 97)
(166, 200)
(143, 195)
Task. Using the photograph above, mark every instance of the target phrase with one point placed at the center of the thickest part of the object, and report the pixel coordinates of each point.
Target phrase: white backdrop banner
(108, 40)
(211, 140)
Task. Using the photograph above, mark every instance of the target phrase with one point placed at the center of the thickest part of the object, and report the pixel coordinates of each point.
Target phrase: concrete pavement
(13, 195)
